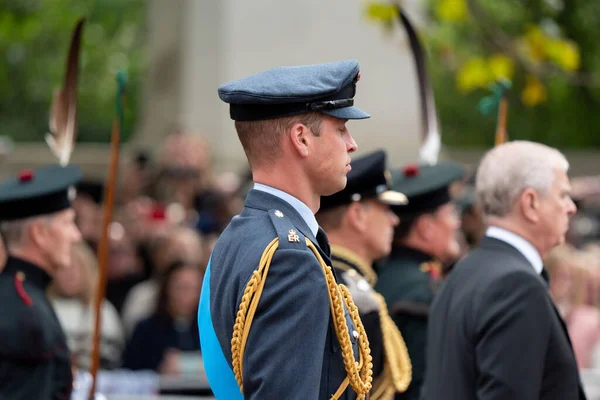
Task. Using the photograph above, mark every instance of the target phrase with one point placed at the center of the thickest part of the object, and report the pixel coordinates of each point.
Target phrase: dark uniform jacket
(405, 281)
(350, 272)
(292, 351)
(494, 333)
(34, 357)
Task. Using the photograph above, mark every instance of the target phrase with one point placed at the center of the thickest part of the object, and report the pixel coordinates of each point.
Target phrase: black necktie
(323, 242)
(545, 276)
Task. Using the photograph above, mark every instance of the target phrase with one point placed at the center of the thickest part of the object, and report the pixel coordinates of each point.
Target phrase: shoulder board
(289, 236)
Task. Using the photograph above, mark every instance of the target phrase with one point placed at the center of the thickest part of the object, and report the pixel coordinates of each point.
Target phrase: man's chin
(333, 189)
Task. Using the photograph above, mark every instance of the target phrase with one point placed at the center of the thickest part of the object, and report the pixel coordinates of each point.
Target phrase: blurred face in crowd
(88, 216)
(180, 244)
(553, 212)
(184, 291)
(561, 281)
(122, 257)
(55, 237)
(330, 161)
(440, 232)
(380, 222)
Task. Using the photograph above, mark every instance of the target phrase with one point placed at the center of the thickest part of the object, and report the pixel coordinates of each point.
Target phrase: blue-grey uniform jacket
(292, 350)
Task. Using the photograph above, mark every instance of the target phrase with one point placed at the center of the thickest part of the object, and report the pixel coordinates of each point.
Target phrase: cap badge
(26, 175)
(293, 236)
(411, 170)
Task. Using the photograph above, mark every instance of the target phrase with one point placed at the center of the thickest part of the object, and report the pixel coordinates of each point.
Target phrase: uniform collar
(34, 274)
(301, 208)
(261, 200)
(353, 260)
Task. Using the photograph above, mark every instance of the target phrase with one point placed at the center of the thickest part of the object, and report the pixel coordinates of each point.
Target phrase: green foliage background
(570, 117)
(34, 40)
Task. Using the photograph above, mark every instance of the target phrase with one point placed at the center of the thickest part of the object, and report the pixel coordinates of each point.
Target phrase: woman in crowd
(573, 286)
(72, 294)
(167, 340)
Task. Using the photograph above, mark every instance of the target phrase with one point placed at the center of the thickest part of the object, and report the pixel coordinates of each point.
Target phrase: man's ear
(529, 204)
(423, 226)
(301, 138)
(36, 232)
(357, 216)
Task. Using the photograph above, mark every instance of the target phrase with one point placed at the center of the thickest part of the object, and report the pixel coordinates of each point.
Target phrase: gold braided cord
(240, 331)
(397, 370)
(359, 374)
(383, 388)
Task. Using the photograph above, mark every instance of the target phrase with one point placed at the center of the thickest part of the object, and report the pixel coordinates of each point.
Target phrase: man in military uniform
(38, 228)
(360, 225)
(423, 241)
(273, 323)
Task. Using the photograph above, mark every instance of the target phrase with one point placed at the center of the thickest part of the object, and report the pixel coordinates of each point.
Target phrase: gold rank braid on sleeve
(359, 373)
(397, 369)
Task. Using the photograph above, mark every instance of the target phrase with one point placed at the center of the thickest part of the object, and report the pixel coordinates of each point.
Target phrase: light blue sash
(219, 373)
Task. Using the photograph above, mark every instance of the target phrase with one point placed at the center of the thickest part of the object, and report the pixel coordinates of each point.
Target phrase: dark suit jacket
(292, 350)
(494, 333)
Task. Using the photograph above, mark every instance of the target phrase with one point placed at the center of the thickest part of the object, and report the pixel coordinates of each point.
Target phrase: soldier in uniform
(423, 241)
(360, 225)
(274, 324)
(38, 228)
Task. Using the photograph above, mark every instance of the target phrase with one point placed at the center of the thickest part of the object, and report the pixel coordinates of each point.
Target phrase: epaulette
(289, 236)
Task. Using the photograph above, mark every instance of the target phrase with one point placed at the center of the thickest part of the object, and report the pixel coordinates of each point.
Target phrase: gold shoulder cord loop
(359, 373)
(397, 369)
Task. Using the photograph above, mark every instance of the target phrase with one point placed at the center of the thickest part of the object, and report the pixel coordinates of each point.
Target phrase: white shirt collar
(524, 247)
(299, 206)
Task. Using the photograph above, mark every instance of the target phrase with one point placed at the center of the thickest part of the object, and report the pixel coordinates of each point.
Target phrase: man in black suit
(494, 332)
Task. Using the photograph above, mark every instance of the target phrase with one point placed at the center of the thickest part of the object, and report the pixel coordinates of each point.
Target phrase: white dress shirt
(305, 212)
(522, 245)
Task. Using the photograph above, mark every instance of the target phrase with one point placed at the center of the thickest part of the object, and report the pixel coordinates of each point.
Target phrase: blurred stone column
(161, 89)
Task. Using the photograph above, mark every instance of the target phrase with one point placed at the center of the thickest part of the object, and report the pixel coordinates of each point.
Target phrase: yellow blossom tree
(547, 48)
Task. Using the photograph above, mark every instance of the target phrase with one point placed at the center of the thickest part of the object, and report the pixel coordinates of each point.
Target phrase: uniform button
(363, 285)
(355, 334)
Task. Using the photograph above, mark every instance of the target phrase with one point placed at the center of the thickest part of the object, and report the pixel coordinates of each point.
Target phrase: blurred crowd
(170, 210)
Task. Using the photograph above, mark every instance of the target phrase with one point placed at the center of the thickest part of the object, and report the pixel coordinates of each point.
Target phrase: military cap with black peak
(285, 91)
(426, 186)
(368, 178)
(37, 192)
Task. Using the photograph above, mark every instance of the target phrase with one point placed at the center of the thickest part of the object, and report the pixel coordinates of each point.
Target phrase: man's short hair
(507, 170)
(13, 232)
(332, 218)
(261, 139)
